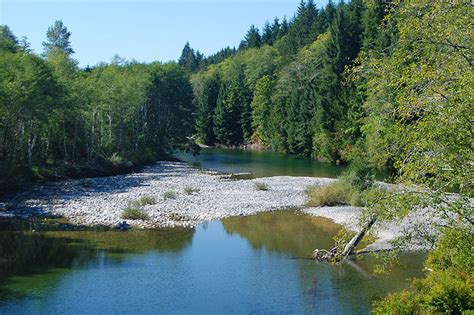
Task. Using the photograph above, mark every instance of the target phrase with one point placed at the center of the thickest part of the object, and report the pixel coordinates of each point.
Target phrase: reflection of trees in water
(50, 254)
(284, 231)
(351, 287)
(325, 288)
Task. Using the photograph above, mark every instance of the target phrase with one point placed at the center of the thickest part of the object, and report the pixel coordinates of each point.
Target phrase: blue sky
(145, 30)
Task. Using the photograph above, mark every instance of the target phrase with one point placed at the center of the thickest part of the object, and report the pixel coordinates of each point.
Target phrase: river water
(260, 163)
(257, 264)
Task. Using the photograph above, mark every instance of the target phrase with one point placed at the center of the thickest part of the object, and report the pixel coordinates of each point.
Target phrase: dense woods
(384, 85)
(57, 118)
(286, 88)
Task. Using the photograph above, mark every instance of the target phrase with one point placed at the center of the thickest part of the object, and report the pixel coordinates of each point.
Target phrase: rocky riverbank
(182, 196)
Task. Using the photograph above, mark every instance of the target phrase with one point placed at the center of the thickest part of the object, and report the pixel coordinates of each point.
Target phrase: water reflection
(242, 265)
(260, 163)
(284, 231)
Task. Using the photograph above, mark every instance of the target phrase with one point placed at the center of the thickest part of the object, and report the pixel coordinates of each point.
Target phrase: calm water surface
(257, 264)
(260, 163)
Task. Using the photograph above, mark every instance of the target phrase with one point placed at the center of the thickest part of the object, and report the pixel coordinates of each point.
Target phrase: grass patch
(339, 193)
(146, 200)
(170, 195)
(191, 190)
(132, 212)
(334, 194)
(261, 186)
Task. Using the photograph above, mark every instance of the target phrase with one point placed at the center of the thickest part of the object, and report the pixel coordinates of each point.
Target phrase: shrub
(448, 288)
(399, 303)
(334, 194)
(132, 212)
(191, 190)
(146, 200)
(360, 175)
(261, 186)
(169, 195)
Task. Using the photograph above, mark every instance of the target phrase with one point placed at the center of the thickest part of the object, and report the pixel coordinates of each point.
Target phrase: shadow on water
(33, 261)
(254, 264)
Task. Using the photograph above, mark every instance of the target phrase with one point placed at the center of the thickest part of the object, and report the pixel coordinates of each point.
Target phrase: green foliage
(170, 195)
(334, 194)
(290, 96)
(191, 190)
(133, 212)
(449, 286)
(232, 120)
(146, 200)
(261, 186)
(360, 175)
(57, 38)
(111, 115)
(8, 41)
(252, 39)
(261, 107)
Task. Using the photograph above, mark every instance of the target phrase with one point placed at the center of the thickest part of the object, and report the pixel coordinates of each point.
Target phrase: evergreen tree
(207, 95)
(188, 59)
(58, 37)
(8, 41)
(252, 38)
(232, 120)
(261, 107)
(267, 34)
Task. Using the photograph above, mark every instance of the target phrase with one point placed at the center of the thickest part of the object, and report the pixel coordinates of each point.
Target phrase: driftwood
(326, 255)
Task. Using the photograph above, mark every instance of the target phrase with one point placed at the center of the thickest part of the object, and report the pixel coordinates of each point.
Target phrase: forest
(59, 120)
(382, 85)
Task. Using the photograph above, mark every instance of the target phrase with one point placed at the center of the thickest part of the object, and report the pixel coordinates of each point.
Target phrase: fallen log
(332, 254)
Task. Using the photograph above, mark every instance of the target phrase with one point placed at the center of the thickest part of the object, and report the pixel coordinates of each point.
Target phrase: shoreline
(216, 196)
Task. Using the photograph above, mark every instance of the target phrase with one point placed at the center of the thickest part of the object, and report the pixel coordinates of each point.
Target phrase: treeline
(287, 87)
(54, 114)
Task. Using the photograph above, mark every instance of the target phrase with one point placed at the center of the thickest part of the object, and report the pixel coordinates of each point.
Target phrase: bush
(191, 190)
(261, 186)
(169, 195)
(334, 194)
(399, 303)
(146, 200)
(360, 175)
(448, 288)
(132, 212)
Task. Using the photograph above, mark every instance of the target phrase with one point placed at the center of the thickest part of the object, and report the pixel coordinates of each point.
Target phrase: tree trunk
(357, 238)
(348, 249)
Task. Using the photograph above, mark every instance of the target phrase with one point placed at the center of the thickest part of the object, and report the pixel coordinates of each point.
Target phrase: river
(246, 264)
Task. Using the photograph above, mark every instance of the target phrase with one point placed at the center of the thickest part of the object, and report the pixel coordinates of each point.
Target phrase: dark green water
(260, 163)
(257, 264)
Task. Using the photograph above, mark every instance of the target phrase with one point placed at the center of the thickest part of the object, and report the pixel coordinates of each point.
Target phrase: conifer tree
(8, 41)
(57, 37)
(252, 38)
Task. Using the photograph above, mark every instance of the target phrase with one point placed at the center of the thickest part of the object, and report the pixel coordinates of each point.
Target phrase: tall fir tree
(57, 37)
